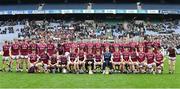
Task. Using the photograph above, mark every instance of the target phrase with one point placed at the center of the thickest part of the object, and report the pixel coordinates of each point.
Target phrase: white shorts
(135, 63)
(24, 56)
(31, 64)
(15, 57)
(97, 63)
(151, 65)
(172, 58)
(116, 63)
(42, 65)
(6, 58)
(142, 64)
(71, 63)
(45, 66)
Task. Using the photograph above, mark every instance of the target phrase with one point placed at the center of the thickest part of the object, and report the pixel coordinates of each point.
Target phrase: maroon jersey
(111, 48)
(116, 57)
(90, 45)
(63, 59)
(89, 56)
(147, 44)
(53, 59)
(141, 56)
(15, 49)
(156, 44)
(6, 50)
(105, 45)
(81, 56)
(60, 49)
(67, 47)
(159, 57)
(24, 49)
(51, 49)
(33, 58)
(133, 56)
(98, 58)
(172, 52)
(150, 57)
(132, 45)
(75, 47)
(73, 56)
(41, 48)
(33, 46)
(98, 47)
(121, 47)
(126, 55)
(82, 45)
(44, 57)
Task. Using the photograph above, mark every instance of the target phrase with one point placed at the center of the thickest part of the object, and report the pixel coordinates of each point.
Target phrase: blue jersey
(107, 56)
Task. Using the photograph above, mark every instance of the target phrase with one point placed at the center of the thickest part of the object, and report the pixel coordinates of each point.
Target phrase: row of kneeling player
(125, 62)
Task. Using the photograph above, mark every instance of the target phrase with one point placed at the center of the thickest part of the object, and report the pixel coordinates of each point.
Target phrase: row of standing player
(129, 57)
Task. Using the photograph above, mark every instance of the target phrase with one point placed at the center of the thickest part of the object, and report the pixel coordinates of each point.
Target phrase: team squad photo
(89, 44)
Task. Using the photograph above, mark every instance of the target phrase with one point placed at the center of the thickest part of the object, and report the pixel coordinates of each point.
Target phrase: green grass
(25, 80)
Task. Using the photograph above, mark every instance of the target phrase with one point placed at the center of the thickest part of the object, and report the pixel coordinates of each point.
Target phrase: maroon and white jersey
(116, 57)
(15, 49)
(172, 52)
(150, 57)
(156, 44)
(82, 45)
(51, 49)
(121, 47)
(44, 57)
(133, 56)
(159, 57)
(73, 56)
(6, 49)
(75, 47)
(60, 49)
(67, 47)
(90, 45)
(24, 49)
(98, 58)
(104, 46)
(81, 56)
(63, 59)
(126, 55)
(89, 56)
(33, 58)
(141, 56)
(132, 45)
(41, 48)
(32, 46)
(111, 48)
(147, 44)
(54, 59)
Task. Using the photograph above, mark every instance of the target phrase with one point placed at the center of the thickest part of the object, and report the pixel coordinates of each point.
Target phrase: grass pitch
(25, 80)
